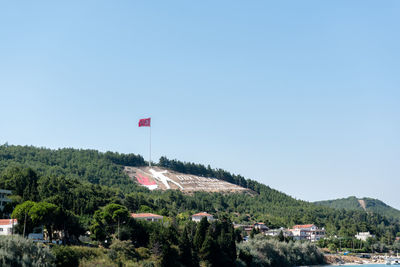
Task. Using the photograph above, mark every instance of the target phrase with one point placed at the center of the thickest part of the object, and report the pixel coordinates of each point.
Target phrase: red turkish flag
(144, 122)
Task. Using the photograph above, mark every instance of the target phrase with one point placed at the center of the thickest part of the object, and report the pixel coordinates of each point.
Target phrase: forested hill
(362, 204)
(81, 181)
(81, 164)
(107, 168)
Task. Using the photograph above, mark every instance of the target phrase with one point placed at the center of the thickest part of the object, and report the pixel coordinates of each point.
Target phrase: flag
(144, 122)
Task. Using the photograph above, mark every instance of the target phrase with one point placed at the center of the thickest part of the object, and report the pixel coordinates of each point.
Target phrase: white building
(317, 234)
(7, 225)
(299, 234)
(3, 198)
(150, 217)
(364, 236)
(307, 232)
(276, 232)
(198, 216)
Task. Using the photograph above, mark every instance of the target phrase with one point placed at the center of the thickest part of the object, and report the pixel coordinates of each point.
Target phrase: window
(1, 229)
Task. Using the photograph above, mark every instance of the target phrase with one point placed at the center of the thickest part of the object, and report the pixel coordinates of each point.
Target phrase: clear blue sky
(300, 95)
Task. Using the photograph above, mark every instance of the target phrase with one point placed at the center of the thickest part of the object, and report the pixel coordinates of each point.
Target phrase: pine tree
(209, 250)
(200, 233)
(186, 255)
(281, 237)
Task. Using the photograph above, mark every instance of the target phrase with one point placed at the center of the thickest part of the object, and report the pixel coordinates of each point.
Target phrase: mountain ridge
(367, 204)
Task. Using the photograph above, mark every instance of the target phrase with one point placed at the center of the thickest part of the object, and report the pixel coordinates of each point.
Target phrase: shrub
(87, 252)
(262, 251)
(65, 256)
(122, 251)
(17, 251)
(143, 253)
(70, 256)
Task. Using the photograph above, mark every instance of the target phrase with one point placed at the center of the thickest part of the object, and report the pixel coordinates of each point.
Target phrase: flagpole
(147, 123)
(150, 148)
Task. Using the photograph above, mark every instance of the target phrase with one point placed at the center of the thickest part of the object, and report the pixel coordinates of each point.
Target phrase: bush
(87, 252)
(143, 253)
(17, 251)
(122, 251)
(70, 256)
(262, 251)
(65, 256)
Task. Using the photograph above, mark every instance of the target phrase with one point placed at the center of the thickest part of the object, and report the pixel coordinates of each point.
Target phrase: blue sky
(300, 95)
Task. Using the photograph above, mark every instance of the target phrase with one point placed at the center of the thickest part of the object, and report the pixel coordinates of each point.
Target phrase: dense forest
(84, 165)
(86, 191)
(370, 205)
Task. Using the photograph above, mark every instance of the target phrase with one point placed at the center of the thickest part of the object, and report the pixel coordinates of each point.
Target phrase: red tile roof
(202, 214)
(145, 215)
(300, 226)
(8, 221)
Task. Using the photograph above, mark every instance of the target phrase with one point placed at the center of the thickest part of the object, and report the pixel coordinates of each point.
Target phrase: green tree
(21, 213)
(281, 237)
(47, 214)
(22, 182)
(208, 251)
(201, 233)
(186, 254)
(108, 220)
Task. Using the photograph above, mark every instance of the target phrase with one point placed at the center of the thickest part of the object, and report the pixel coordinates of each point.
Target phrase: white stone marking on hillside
(164, 179)
(151, 187)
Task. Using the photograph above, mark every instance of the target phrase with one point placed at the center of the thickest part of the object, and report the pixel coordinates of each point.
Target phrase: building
(299, 234)
(7, 225)
(198, 216)
(308, 227)
(317, 234)
(244, 227)
(3, 198)
(276, 232)
(307, 232)
(364, 236)
(261, 227)
(150, 217)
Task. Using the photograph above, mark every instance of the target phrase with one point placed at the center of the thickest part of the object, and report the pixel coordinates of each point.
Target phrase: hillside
(157, 178)
(81, 181)
(361, 204)
(82, 164)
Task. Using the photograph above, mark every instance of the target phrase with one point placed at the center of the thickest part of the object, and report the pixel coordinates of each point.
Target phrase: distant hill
(361, 204)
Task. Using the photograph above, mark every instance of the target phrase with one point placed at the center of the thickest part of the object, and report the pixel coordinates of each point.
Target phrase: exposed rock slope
(163, 179)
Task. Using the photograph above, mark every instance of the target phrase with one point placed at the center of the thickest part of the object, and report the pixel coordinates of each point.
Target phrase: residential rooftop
(8, 221)
(145, 215)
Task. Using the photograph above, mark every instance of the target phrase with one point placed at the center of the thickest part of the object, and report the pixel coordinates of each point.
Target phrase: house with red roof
(7, 225)
(198, 216)
(150, 217)
(305, 226)
(307, 232)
